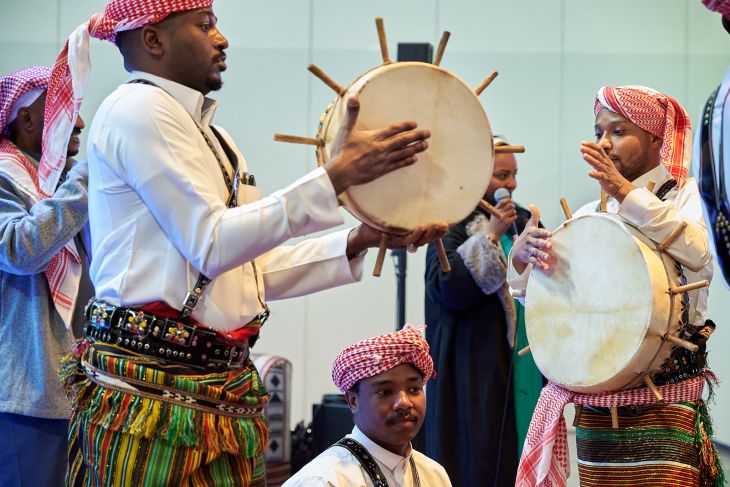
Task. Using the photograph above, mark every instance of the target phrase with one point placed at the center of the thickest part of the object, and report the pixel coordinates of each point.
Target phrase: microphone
(500, 194)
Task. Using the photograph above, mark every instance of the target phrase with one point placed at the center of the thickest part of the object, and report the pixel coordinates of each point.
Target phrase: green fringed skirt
(139, 422)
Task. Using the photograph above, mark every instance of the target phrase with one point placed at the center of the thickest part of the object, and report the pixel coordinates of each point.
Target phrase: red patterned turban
(19, 90)
(658, 114)
(71, 72)
(379, 354)
(720, 6)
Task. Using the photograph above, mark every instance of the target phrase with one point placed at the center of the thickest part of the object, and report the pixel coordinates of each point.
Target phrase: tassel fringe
(153, 419)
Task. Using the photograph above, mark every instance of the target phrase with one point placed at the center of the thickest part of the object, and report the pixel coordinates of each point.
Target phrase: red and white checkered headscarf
(71, 71)
(720, 6)
(658, 114)
(379, 354)
(19, 90)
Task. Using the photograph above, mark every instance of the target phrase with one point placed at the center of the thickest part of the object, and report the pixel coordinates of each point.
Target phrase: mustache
(75, 132)
(400, 418)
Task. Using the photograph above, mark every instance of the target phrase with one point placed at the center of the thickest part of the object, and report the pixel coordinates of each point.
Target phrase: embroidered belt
(164, 339)
(170, 395)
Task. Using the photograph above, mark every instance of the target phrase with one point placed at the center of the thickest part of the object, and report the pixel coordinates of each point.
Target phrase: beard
(214, 84)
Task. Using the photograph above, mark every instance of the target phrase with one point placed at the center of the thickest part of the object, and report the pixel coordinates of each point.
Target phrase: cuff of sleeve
(517, 281)
(633, 208)
(348, 270)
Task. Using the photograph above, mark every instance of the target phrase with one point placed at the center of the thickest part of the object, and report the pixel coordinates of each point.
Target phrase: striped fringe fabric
(119, 438)
(663, 446)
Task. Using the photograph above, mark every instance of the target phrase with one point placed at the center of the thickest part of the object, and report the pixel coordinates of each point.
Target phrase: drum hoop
(350, 205)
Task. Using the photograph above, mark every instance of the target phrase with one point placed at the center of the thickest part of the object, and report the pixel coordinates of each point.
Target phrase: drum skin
(450, 178)
(595, 320)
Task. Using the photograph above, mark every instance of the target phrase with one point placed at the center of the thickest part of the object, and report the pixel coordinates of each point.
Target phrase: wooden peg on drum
(652, 387)
(604, 199)
(488, 80)
(689, 287)
(442, 47)
(509, 149)
(382, 40)
(614, 417)
(566, 210)
(578, 414)
(380, 259)
(523, 351)
(326, 79)
(672, 237)
(484, 205)
(650, 186)
(681, 343)
(296, 139)
(443, 259)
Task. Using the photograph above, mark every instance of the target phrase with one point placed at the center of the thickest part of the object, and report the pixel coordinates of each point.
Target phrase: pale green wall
(552, 57)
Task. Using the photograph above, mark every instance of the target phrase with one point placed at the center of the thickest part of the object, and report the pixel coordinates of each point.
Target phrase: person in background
(43, 283)
(480, 405)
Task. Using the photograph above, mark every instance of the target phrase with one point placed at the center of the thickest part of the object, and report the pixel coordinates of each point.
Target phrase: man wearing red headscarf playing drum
(186, 254)
(642, 137)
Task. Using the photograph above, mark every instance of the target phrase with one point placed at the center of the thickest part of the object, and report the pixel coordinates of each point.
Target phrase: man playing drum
(642, 137)
(164, 392)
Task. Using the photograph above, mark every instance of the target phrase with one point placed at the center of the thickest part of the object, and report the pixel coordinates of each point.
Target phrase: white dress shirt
(338, 467)
(656, 219)
(158, 215)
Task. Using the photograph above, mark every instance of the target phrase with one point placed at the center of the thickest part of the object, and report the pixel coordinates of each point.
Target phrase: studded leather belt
(164, 339)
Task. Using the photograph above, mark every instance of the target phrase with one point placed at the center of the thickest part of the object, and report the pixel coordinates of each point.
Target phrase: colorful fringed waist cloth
(139, 422)
(661, 446)
(544, 461)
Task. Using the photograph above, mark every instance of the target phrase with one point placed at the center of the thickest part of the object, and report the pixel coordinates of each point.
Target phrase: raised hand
(497, 226)
(533, 245)
(360, 156)
(604, 171)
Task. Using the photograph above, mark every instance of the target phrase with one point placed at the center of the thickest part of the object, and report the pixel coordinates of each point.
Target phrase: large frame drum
(596, 320)
(450, 178)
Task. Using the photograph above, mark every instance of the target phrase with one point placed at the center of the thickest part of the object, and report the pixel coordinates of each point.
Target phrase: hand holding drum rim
(359, 157)
(533, 245)
(365, 236)
(604, 171)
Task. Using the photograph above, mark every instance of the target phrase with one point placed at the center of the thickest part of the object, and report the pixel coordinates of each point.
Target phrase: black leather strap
(370, 465)
(365, 459)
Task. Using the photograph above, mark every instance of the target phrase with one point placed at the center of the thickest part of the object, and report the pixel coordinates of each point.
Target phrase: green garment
(526, 377)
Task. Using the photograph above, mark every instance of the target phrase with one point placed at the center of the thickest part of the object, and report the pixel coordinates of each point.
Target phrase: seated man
(383, 379)
(642, 137)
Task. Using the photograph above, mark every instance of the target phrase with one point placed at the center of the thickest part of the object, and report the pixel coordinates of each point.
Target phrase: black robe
(470, 418)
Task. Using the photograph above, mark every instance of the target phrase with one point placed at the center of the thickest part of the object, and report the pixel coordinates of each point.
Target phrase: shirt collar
(659, 175)
(200, 107)
(387, 458)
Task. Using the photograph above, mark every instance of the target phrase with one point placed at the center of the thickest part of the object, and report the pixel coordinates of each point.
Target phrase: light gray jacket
(33, 337)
